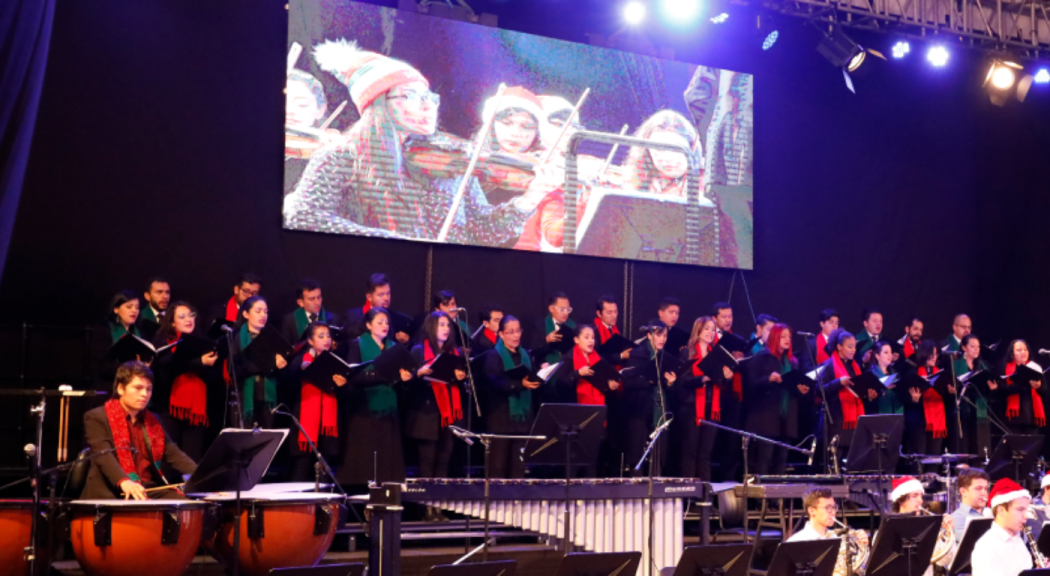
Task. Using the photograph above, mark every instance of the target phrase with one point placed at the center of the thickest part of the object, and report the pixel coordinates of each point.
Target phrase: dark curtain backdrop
(25, 33)
(159, 151)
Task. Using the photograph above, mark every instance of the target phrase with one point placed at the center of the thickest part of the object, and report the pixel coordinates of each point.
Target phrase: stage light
(1042, 76)
(634, 13)
(720, 18)
(937, 55)
(1003, 78)
(680, 11)
(901, 49)
(841, 50)
(770, 40)
(1000, 80)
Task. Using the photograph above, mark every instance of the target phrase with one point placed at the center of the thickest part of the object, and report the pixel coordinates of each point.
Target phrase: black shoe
(432, 515)
(440, 516)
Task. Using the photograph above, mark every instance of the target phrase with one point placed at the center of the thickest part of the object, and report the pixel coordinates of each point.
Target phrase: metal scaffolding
(1020, 28)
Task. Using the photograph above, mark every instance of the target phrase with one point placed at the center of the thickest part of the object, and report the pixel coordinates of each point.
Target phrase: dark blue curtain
(25, 33)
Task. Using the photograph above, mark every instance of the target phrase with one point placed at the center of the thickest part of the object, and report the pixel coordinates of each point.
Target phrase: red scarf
(189, 396)
(738, 383)
(1013, 401)
(449, 412)
(852, 407)
(318, 410)
(909, 348)
(701, 397)
(232, 308)
(822, 344)
(604, 333)
(118, 425)
(933, 408)
(366, 307)
(490, 335)
(586, 393)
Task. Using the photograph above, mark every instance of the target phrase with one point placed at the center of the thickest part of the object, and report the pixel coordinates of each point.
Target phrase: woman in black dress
(316, 404)
(508, 400)
(774, 410)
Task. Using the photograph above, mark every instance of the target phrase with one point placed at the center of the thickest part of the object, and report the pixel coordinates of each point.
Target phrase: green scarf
(382, 400)
(302, 320)
(117, 330)
(269, 383)
(554, 356)
(785, 396)
(520, 402)
(889, 403)
(864, 343)
(147, 313)
(982, 405)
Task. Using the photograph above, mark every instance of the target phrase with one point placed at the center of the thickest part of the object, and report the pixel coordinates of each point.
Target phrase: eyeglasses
(187, 316)
(417, 98)
(563, 310)
(831, 508)
(512, 332)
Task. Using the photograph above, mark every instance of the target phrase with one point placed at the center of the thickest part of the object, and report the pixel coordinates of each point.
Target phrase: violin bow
(328, 122)
(612, 153)
(565, 128)
(465, 181)
(293, 56)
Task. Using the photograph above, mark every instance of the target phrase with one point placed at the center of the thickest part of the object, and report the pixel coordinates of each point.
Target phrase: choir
(234, 368)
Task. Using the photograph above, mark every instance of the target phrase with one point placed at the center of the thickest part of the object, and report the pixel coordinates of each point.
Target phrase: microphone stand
(824, 408)
(653, 440)
(473, 393)
(486, 440)
(235, 385)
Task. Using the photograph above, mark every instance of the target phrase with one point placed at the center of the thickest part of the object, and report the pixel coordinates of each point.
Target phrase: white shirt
(809, 533)
(998, 553)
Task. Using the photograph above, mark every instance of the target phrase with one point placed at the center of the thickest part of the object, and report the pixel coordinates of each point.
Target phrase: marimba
(608, 515)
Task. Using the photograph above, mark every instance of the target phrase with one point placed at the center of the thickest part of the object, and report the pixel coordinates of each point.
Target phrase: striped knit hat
(366, 74)
(1005, 491)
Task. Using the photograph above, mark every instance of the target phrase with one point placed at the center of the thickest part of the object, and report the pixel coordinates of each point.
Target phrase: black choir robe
(365, 436)
(764, 416)
(422, 417)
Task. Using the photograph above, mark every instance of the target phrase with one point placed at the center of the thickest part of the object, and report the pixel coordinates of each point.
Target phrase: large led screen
(407, 126)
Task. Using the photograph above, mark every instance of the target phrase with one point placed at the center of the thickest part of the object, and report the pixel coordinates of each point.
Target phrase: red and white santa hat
(1045, 481)
(1005, 491)
(366, 74)
(514, 97)
(903, 486)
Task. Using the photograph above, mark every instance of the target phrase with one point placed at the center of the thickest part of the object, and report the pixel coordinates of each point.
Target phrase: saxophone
(1038, 559)
(852, 546)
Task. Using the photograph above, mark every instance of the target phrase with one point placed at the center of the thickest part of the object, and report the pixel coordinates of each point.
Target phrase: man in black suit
(377, 295)
(310, 304)
(124, 423)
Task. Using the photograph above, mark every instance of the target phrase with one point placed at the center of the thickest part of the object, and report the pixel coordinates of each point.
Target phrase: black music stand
(1042, 541)
(356, 569)
(235, 462)
(715, 560)
(904, 545)
(1016, 453)
(975, 528)
(1035, 572)
(599, 564)
(876, 448)
(574, 432)
(805, 558)
(501, 568)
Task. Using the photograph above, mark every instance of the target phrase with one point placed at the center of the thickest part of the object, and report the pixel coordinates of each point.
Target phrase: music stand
(975, 528)
(876, 447)
(715, 560)
(236, 461)
(356, 569)
(1017, 453)
(574, 432)
(1042, 541)
(1035, 572)
(599, 564)
(805, 558)
(501, 568)
(904, 545)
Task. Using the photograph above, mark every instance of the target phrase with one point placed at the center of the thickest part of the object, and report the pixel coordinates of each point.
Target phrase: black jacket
(422, 417)
(765, 399)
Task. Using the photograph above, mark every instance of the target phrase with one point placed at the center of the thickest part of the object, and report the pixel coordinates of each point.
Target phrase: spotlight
(841, 50)
(720, 18)
(634, 13)
(937, 55)
(770, 40)
(999, 81)
(1042, 76)
(900, 49)
(680, 12)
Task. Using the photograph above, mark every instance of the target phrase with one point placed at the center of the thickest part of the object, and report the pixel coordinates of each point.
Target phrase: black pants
(186, 436)
(923, 442)
(505, 459)
(697, 444)
(769, 458)
(434, 455)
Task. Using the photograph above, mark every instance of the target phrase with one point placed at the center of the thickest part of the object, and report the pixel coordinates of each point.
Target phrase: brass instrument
(1038, 559)
(855, 544)
(944, 551)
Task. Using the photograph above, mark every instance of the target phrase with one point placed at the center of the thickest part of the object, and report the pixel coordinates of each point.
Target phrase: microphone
(30, 450)
(226, 328)
(812, 451)
(662, 426)
(457, 309)
(461, 434)
(835, 441)
(1044, 351)
(801, 333)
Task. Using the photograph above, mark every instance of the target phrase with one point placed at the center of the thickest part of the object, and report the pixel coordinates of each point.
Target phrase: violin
(444, 155)
(302, 142)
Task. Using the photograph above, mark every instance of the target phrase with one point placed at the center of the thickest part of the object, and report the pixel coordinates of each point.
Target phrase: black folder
(522, 372)
(676, 339)
(796, 378)
(978, 379)
(733, 343)
(603, 372)
(566, 343)
(264, 349)
(867, 381)
(668, 363)
(129, 347)
(939, 382)
(392, 360)
(716, 359)
(326, 365)
(191, 347)
(1025, 374)
(615, 346)
(444, 367)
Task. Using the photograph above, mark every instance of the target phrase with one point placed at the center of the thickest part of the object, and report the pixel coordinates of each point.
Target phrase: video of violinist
(407, 126)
